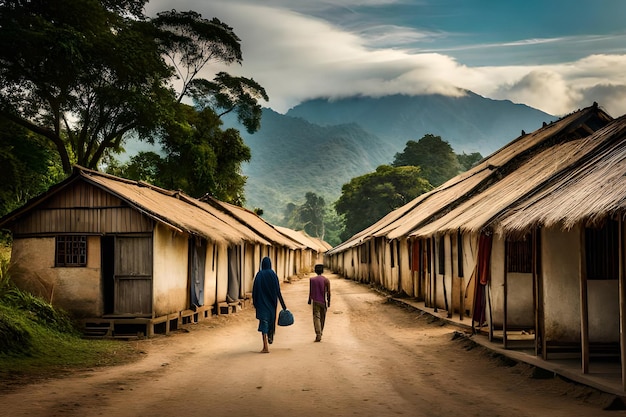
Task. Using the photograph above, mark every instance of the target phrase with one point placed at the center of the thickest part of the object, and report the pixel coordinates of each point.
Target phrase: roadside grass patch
(38, 341)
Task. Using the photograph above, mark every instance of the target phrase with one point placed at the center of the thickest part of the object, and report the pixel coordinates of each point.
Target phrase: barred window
(601, 251)
(519, 255)
(71, 251)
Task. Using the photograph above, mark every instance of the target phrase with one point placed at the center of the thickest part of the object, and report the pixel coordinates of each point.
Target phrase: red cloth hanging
(484, 275)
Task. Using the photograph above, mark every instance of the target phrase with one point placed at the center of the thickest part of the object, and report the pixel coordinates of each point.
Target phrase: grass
(38, 341)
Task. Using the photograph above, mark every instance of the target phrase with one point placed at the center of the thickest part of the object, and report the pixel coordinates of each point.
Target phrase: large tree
(87, 74)
(308, 216)
(366, 199)
(199, 158)
(433, 155)
(27, 166)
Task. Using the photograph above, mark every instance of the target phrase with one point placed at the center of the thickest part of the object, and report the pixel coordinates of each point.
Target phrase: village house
(128, 258)
(527, 245)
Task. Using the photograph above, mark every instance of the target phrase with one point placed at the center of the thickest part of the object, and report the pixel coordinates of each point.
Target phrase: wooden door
(133, 275)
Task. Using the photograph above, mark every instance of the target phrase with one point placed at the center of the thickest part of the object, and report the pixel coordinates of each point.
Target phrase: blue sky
(553, 55)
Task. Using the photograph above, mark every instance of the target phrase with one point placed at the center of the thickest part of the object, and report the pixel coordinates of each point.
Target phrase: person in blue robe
(265, 296)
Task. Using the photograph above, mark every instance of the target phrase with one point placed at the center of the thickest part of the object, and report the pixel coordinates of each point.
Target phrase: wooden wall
(84, 209)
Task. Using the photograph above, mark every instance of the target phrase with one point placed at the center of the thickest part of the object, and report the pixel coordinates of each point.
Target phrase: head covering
(266, 292)
(266, 263)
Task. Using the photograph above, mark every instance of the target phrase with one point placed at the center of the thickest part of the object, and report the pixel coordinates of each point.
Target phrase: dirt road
(376, 359)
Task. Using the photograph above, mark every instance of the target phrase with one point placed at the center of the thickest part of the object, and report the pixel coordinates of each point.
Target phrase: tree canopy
(27, 166)
(368, 198)
(433, 155)
(199, 158)
(309, 216)
(88, 74)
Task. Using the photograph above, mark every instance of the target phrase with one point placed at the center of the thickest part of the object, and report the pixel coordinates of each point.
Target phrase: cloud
(558, 88)
(297, 56)
(543, 89)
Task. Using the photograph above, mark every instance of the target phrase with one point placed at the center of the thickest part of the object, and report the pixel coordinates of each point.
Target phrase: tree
(81, 73)
(87, 74)
(469, 161)
(433, 155)
(199, 158)
(27, 166)
(309, 216)
(368, 198)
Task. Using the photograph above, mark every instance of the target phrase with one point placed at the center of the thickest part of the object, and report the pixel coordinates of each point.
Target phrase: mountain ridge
(321, 144)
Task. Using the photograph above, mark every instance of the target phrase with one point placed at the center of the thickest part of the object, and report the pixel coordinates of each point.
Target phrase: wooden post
(505, 299)
(622, 301)
(434, 272)
(584, 323)
(536, 297)
(453, 277)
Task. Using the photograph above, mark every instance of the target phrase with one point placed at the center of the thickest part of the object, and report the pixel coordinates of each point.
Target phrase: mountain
(291, 156)
(471, 123)
(321, 144)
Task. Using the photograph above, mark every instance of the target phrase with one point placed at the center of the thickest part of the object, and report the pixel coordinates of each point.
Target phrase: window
(71, 251)
(519, 255)
(601, 251)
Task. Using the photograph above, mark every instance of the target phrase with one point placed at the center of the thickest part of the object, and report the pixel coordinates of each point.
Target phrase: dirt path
(376, 359)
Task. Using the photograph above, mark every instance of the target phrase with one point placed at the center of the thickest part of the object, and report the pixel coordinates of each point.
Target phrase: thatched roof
(173, 209)
(587, 192)
(252, 221)
(442, 206)
(305, 240)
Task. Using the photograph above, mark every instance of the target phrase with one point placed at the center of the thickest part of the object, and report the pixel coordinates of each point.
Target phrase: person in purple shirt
(319, 295)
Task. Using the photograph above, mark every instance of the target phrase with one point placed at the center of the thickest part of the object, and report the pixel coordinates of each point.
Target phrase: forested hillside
(320, 145)
(291, 156)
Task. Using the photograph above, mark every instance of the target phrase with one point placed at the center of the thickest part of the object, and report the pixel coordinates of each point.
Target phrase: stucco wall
(221, 265)
(520, 307)
(76, 290)
(406, 278)
(170, 273)
(603, 306)
(210, 275)
(470, 258)
(561, 287)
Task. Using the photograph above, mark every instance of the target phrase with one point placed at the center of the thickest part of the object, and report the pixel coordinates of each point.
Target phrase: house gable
(82, 208)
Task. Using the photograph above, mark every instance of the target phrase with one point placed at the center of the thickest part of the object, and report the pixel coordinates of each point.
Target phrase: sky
(554, 55)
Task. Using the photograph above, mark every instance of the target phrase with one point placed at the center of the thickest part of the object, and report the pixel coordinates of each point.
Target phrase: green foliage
(308, 216)
(366, 199)
(39, 311)
(314, 218)
(37, 339)
(200, 158)
(14, 336)
(434, 155)
(31, 349)
(80, 74)
(27, 166)
(231, 94)
(468, 161)
(334, 225)
(86, 75)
